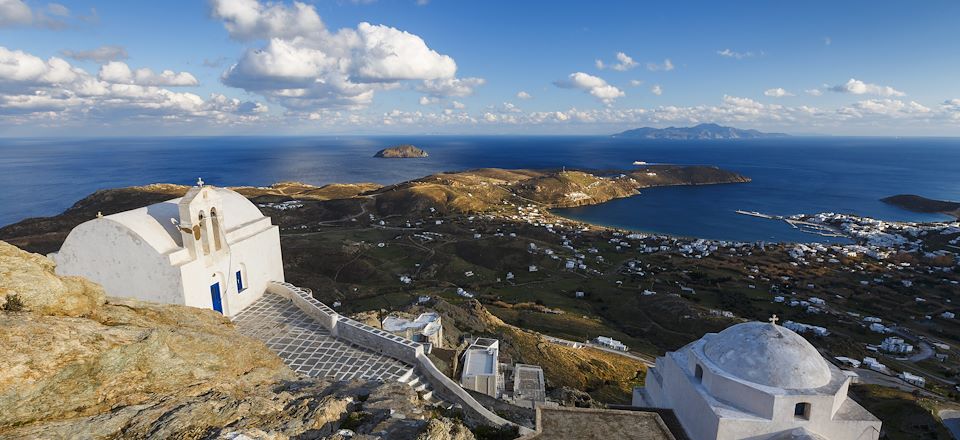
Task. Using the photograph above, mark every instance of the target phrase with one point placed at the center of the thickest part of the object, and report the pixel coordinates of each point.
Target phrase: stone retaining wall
(389, 344)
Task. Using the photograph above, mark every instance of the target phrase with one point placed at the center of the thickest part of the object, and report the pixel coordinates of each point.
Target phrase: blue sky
(444, 66)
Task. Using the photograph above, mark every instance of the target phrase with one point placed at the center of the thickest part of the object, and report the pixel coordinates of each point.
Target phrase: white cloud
(666, 66)
(458, 105)
(656, 90)
(813, 92)
(119, 72)
(894, 108)
(595, 86)
(636, 83)
(734, 54)
(15, 13)
(778, 92)
(100, 55)
(306, 66)
(523, 95)
(624, 63)
(858, 87)
(52, 89)
(18, 13)
(458, 87)
(429, 100)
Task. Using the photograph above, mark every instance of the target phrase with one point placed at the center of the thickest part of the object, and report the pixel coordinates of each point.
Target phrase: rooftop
(564, 423)
(767, 354)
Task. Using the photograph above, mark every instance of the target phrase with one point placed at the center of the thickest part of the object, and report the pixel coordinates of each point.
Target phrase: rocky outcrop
(401, 152)
(29, 279)
(74, 364)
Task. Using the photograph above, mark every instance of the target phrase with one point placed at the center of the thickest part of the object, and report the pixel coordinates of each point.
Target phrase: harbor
(801, 225)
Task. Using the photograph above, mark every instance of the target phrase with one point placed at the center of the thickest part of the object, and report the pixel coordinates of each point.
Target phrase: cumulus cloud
(656, 90)
(734, 54)
(31, 87)
(666, 66)
(778, 92)
(886, 107)
(18, 13)
(447, 87)
(304, 65)
(624, 62)
(523, 95)
(595, 86)
(813, 92)
(100, 55)
(429, 100)
(858, 87)
(120, 73)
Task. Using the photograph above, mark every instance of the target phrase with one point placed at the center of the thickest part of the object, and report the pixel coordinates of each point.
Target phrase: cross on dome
(199, 181)
(773, 319)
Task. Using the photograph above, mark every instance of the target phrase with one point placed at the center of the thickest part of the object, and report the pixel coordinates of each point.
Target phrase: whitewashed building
(210, 249)
(481, 367)
(427, 328)
(759, 381)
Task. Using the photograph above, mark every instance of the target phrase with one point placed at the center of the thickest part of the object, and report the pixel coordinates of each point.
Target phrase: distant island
(702, 131)
(915, 203)
(401, 152)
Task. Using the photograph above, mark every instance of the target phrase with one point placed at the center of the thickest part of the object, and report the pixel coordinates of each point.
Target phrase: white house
(427, 328)
(210, 249)
(481, 367)
(757, 381)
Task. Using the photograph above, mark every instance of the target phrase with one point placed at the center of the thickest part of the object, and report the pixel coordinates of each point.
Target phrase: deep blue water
(41, 177)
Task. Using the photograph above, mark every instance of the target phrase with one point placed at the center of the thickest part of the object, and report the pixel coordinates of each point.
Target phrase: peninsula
(404, 151)
(915, 203)
(698, 132)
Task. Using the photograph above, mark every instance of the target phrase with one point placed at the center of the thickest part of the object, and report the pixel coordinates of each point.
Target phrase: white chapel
(757, 381)
(211, 249)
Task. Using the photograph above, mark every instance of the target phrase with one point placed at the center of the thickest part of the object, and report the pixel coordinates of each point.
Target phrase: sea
(44, 176)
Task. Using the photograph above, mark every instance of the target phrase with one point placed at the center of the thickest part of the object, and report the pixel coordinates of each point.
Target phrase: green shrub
(14, 303)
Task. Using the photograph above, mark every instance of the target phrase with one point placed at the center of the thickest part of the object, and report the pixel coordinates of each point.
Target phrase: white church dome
(768, 354)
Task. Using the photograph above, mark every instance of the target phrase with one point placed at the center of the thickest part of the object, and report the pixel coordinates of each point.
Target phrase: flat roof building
(481, 367)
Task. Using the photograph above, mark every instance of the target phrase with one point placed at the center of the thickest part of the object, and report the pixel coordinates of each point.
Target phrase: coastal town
(543, 279)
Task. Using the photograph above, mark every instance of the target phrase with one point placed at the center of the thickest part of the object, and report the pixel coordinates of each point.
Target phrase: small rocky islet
(405, 151)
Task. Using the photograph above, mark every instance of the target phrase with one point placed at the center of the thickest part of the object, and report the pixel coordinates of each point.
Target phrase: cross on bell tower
(773, 319)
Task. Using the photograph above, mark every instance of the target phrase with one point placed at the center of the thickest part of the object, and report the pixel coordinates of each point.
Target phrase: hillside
(75, 364)
(697, 132)
(917, 203)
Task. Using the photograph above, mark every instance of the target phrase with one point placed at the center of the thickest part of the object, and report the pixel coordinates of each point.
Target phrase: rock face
(74, 364)
(401, 151)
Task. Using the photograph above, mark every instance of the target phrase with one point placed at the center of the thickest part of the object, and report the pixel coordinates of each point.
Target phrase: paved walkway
(308, 348)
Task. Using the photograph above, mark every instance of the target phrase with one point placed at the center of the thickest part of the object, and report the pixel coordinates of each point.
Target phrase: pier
(803, 226)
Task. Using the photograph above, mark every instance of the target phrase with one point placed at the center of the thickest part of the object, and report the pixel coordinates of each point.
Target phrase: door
(215, 296)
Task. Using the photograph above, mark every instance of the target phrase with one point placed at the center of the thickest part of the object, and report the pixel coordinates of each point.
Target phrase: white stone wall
(390, 345)
(110, 254)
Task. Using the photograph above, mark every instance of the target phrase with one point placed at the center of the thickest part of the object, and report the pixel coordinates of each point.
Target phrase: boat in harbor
(639, 162)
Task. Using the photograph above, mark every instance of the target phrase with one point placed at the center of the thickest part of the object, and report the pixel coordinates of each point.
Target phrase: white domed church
(212, 249)
(756, 381)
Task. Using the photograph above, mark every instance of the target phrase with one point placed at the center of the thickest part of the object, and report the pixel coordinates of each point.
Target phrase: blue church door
(215, 296)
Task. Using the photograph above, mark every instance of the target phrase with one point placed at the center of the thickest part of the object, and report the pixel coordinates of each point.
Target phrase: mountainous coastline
(698, 132)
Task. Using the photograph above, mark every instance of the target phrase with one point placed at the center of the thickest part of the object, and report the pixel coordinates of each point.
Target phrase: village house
(210, 249)
(481, 367)
(427, 328)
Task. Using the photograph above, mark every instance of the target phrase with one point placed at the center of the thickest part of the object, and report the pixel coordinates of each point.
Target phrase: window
(802, 411)
(240, 286)
(216, 228)
(699, 373)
